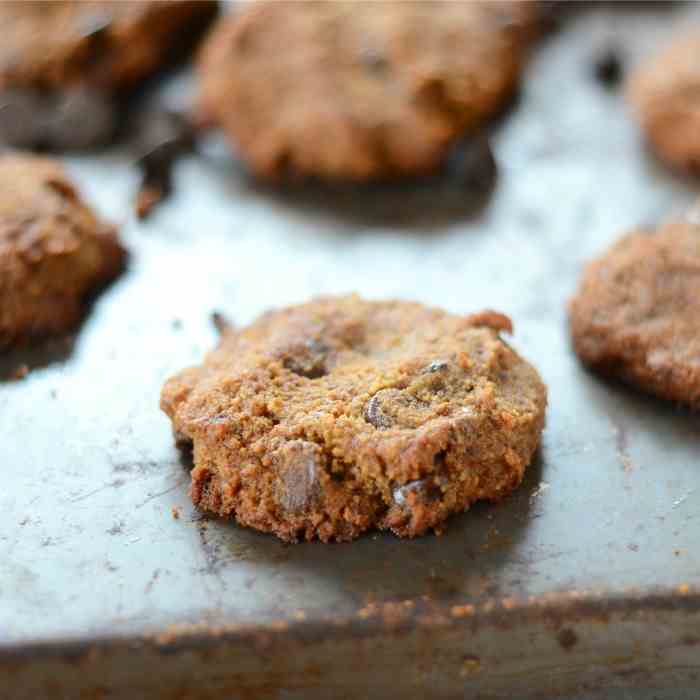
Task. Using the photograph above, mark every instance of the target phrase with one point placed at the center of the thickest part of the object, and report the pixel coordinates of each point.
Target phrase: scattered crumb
(176, 512)
(19, 372)
(146, 199)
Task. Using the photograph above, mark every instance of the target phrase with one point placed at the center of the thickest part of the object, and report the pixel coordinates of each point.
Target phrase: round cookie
(664, 93)
(53, 250)
(636, 314)
(58, 44)
(333, 417)
(359, 90)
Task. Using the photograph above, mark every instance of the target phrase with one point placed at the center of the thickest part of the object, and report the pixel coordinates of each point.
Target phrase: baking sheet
(89, 546)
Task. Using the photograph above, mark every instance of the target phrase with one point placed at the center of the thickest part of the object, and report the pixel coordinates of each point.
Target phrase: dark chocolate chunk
(299, 468)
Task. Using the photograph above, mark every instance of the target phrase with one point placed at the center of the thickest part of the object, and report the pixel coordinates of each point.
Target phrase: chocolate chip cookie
(359, 90)
(636, 314)
(53, 250)
(61, 61)
(333, 417)
(665, 94)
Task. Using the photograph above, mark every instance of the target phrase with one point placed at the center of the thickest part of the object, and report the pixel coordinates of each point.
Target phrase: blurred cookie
(333, 417)
(664, 92)
(62, 61)
(359, 90)
(53, 250)
(636, 314)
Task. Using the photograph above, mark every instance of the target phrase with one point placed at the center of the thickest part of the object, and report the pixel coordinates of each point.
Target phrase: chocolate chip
(476, 166)
(375, 410)
(299, 468)
(608, 68)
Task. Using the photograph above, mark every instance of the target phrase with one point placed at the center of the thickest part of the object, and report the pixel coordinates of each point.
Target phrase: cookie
(636, 314)
(340, 415)
(108, 45)
(53, 250)
(357, 91)
(62, 63)
(663, 93)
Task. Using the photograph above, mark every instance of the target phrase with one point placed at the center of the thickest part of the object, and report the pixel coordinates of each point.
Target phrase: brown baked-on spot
(344, 415)
(404, 68)
(54, 251)
(635, 315)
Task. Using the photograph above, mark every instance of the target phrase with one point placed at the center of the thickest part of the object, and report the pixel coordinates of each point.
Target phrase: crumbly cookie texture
(359, 90)
(333, 417)
(636, 314)
(664, 93)
(110, 45)
(53, 250)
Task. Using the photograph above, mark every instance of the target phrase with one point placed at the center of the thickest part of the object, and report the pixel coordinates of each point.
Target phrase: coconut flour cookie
(57, 44)
(327, 419)
(359, 90)
(665, 93)
(636, 314)
(53, 249)
(62, 61)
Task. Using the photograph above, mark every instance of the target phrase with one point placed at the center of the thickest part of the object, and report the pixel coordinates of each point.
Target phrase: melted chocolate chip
(299, 470)
(608, 68)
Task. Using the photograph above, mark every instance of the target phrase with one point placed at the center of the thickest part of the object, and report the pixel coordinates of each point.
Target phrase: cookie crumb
(175, 512)
(19, 372)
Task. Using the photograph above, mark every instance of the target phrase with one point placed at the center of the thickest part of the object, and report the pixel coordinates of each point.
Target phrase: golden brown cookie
(333, 417)
(53, 249)
(665, 92)
(56, 44)
(636, 314)
(359, 90)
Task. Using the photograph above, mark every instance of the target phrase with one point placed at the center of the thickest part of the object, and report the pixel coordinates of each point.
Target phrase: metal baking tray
(585, 582)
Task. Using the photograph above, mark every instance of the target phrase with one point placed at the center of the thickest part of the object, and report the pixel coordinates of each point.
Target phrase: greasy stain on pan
(584, 583)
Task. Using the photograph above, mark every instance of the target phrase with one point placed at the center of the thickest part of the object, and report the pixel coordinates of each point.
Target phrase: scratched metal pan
(585, 583)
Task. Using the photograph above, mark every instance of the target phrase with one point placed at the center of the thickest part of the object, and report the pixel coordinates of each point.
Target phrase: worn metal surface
(587, 579)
